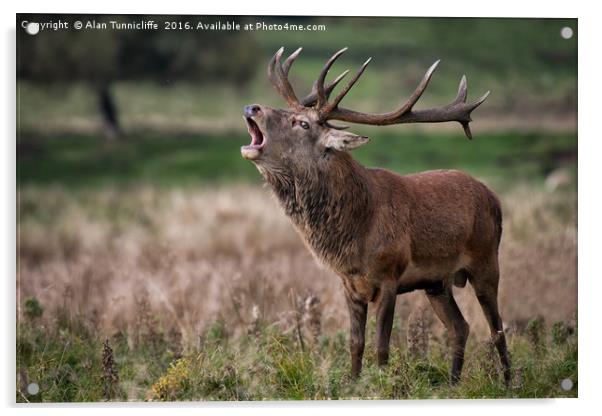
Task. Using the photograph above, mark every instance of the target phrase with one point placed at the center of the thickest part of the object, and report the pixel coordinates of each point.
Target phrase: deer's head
(303, 132)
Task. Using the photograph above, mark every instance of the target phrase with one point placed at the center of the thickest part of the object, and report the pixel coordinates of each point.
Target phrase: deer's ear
(342, 140)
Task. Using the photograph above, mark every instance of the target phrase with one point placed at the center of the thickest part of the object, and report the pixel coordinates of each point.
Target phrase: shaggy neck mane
(328, 202)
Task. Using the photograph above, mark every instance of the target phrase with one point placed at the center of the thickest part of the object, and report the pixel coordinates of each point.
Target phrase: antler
(278, 75)
(458, 110)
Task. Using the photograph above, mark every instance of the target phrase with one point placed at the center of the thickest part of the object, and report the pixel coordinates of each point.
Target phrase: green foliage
(174, 383)
(270, 365)
(536, 332)
(561, 332)
(61, 363)
(217, 333)
(166, 56)
(33, 308)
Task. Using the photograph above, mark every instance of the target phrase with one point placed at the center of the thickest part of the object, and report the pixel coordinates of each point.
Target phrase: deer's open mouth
(252, 150)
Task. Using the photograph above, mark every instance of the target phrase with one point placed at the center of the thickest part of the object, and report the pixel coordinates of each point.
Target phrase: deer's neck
(329, 203)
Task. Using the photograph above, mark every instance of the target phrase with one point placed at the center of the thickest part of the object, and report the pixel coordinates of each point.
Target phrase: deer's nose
(252, 110)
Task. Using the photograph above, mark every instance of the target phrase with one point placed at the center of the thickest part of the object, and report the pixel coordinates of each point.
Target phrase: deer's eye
(304, 124)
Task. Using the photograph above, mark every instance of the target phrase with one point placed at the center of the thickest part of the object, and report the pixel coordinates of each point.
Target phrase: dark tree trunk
(108, 111)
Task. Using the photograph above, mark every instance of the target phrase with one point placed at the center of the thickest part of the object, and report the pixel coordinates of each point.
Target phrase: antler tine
(289, 61)
(332, 126)
(328, 89)
(278, 76)
(319, 84)
(480, 100)
(461, 98)
(272, 72)
(311, 98)
(462, 91)
(348, 87)
(418, 91)
(472, 106)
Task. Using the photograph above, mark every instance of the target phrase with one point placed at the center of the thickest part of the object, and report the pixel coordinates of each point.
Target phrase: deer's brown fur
(382, 233)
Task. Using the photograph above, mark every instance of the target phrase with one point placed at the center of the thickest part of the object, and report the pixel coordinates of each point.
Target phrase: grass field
(84, 161)
(168, 248)
(71, 363)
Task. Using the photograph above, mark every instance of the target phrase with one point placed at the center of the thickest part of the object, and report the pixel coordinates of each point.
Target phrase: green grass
(76, 161)
(66, 361)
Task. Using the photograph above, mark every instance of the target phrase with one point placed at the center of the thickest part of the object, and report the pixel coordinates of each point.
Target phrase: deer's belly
(419, 276)
(364, 283)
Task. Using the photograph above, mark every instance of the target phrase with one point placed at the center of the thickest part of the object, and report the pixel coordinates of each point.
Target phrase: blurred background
(135, 206)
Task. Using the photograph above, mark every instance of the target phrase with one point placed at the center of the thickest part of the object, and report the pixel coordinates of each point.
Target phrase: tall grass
(219, 273)
(196, 256)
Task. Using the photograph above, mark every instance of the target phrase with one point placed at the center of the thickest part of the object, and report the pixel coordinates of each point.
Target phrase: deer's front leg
(357, 331)
(385, 311)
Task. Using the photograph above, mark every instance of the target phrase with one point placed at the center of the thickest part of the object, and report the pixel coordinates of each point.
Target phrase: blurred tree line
(101, 57)
(528, 65)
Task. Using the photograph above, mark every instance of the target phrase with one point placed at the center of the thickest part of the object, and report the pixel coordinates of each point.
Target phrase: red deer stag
(382, 233)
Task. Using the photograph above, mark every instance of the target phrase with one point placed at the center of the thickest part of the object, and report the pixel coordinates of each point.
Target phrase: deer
(382, 233)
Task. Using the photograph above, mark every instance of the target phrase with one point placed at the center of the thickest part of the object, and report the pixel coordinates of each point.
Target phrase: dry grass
(177, 261)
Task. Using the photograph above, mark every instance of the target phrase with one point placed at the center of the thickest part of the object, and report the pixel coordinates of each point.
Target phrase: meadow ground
(159, 269)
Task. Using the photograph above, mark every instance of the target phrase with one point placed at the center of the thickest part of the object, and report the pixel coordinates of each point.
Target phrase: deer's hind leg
(442, 300)
(485, 281)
